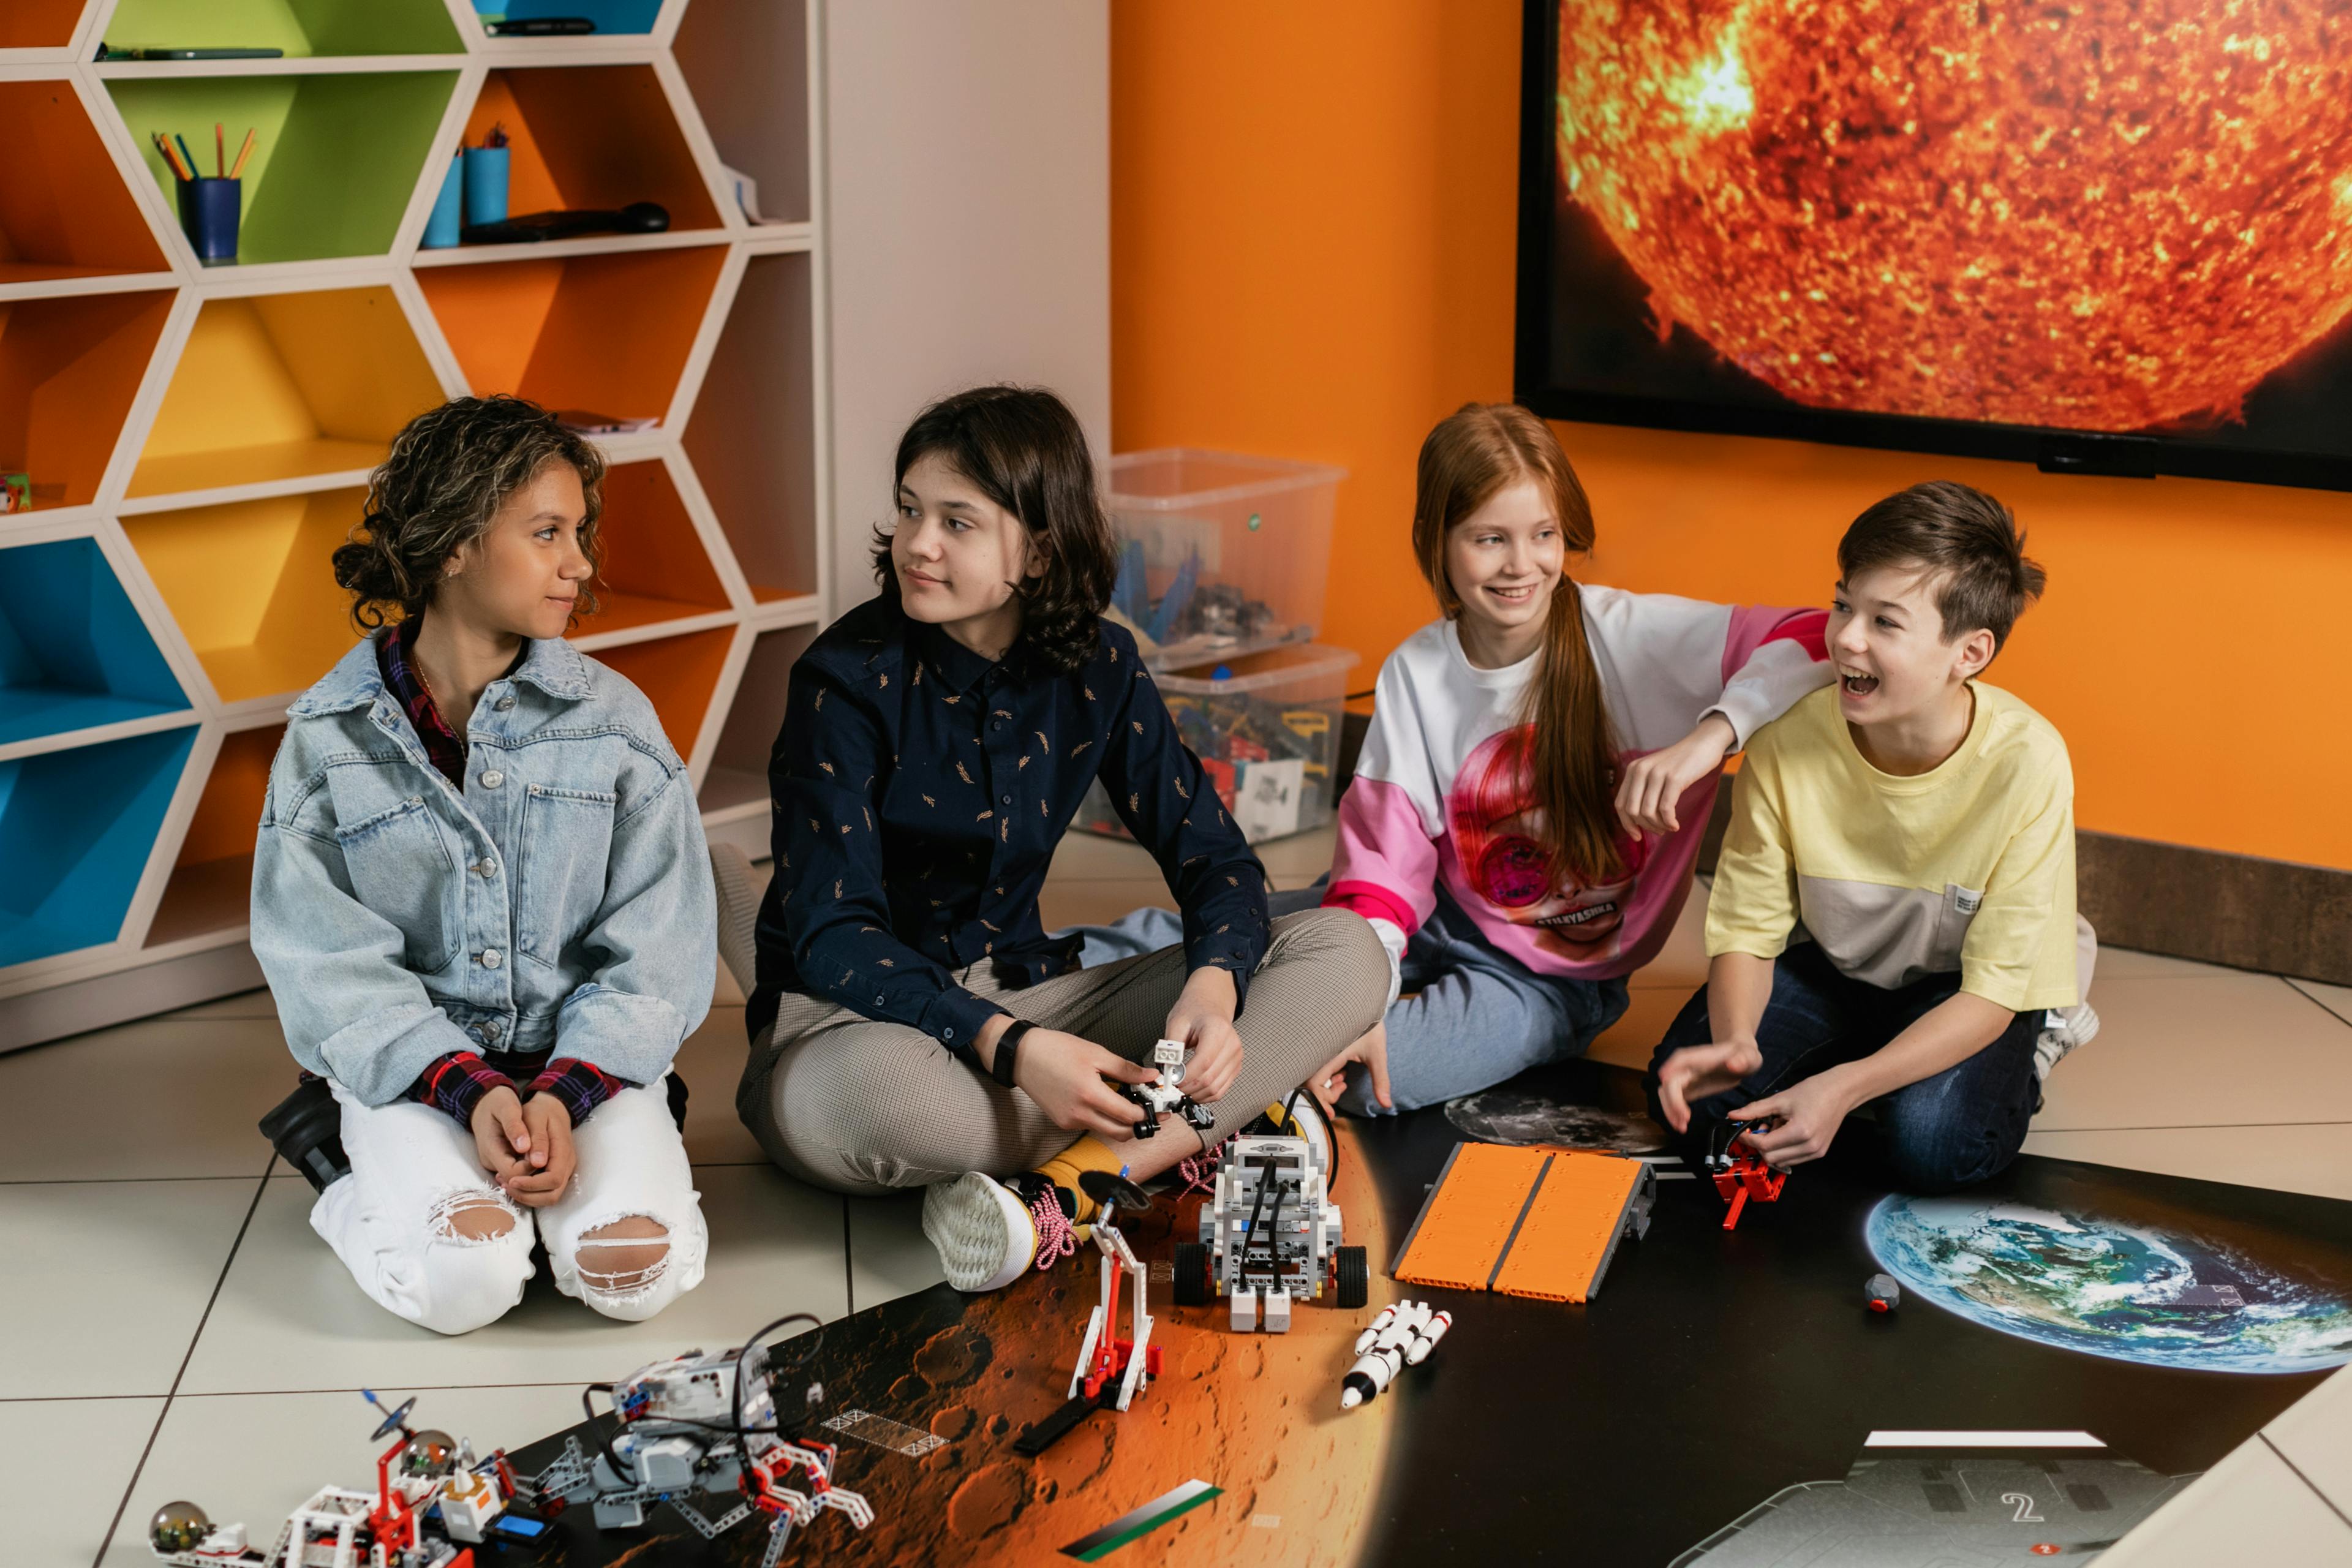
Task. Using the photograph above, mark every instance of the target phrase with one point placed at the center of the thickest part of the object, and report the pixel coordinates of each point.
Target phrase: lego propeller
(1113, 1192)
(394, 1420)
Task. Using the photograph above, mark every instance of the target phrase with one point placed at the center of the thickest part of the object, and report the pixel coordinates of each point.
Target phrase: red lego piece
(1740, 1174)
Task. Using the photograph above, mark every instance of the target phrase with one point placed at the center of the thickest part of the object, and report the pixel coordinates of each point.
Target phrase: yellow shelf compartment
(69, 371)
(252, 586)
(210, 888)
(737, 783)
(337, 155)
(751, 435)
(678, 675)
(655, 566)
(607, 334)
(65, 211)
(286, 387)
(302, 29)
(746, 64)
(592, 138)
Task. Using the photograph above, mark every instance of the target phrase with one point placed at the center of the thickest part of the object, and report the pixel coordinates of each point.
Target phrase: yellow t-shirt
(1967, 867)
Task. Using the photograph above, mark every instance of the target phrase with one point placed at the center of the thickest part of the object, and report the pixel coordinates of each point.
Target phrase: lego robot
(1271, 1234)
(1111, 1371)
(432, 1504)
(1158, 1099)
(1739, 1172)
(701, 1433)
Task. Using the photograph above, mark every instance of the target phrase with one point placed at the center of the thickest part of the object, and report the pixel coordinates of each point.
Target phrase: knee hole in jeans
(472, 1216)
(623, 1257)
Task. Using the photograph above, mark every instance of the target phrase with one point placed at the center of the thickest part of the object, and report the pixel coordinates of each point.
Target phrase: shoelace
(1200, 1172)
(1056, 1238)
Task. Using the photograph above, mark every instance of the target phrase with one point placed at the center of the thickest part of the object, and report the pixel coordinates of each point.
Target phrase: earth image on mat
(2128, 1291)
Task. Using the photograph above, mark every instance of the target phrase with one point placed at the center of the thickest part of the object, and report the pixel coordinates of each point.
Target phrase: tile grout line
(2296, 987)
(260, 1189)
(2328, 1501)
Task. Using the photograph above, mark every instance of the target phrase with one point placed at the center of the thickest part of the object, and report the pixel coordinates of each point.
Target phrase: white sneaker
(2065, 1028)
(985, 1234)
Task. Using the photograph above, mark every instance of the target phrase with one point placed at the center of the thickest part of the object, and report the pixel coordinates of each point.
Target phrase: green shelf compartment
(75, 830)
(73, 652)
(301, 28)
(335, 162)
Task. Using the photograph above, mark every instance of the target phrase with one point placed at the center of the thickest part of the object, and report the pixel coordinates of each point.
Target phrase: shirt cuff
(954, 1018)
(580, 1086)
(455, 1084)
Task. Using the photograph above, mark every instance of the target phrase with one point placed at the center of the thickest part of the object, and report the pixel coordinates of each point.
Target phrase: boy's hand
(503, 1138)
(1696, 1072)
(1330, 1080)
(544, 1172)
(1653, 785)
(1809, 1115)
(1064, 1073)
(1203, 1019)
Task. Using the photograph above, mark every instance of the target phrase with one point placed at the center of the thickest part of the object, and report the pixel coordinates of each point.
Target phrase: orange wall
(1312, 230)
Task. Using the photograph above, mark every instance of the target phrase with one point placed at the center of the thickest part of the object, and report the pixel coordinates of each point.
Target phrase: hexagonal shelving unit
(198, 438)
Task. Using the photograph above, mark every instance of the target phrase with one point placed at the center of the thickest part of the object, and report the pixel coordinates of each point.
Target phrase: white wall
(968, 220)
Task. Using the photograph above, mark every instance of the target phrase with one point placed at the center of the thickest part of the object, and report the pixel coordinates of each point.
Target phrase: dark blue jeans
(1961, 1126)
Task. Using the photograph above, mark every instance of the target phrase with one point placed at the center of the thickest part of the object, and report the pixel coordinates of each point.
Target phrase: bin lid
(1171, 478)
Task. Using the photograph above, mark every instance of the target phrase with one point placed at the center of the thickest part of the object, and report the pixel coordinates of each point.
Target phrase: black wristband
(1008, 1046)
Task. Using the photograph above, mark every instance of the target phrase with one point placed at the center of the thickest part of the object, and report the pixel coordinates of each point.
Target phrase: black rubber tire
(1355, 1278)
(1192, 1280)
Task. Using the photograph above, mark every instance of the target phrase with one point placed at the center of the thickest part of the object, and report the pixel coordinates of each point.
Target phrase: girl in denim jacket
(482, 899)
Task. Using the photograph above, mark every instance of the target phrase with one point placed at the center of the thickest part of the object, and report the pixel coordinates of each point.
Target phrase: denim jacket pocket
(567, 840)
(400, 867)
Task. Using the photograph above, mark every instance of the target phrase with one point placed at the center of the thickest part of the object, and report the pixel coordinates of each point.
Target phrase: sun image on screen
(2090, 216)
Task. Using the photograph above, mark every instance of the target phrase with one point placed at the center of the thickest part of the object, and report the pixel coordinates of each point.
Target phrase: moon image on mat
(1514, 1116)
(2125, 1291)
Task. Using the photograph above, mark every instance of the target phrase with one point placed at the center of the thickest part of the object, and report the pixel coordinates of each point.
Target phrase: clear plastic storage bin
(1220, 555)
(1268, 732)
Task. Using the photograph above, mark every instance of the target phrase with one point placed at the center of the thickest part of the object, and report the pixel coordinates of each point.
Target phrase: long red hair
(1473, 455)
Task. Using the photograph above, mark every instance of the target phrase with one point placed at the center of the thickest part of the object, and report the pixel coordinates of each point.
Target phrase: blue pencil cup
(209, 212)
(485, 185)
(441, 228)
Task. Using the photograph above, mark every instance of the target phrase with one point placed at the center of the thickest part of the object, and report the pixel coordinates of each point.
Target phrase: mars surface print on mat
(2095, 217)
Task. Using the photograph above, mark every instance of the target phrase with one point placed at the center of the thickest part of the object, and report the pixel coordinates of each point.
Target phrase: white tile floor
(189, 1337)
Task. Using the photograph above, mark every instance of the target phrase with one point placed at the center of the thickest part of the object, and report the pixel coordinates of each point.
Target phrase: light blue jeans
(1480, 1017)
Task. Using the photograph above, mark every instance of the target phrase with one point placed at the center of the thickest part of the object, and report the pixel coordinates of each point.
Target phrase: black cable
(745, 1354)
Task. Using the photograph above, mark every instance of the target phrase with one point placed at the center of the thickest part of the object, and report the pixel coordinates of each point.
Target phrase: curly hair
(1021, 446)
(449, 472)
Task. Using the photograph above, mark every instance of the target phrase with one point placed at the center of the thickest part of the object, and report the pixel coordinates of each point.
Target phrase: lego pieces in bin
(1172, 603)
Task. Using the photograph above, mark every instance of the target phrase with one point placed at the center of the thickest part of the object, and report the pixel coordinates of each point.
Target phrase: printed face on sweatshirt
(1498, 834)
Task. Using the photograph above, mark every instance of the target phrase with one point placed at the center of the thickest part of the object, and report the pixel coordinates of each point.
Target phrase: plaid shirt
(458, 1081)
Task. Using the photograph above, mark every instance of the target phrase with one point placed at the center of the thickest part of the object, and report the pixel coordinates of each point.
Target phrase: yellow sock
(1088, 1153)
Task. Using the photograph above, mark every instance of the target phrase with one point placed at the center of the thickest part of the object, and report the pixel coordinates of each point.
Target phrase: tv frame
(2053, 450)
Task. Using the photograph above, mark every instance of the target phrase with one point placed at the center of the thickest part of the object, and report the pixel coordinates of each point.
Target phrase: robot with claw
(697, 1430)
(1111, 1371)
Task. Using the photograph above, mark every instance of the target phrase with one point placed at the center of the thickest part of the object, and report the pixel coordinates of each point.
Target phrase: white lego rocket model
(1401, 1336)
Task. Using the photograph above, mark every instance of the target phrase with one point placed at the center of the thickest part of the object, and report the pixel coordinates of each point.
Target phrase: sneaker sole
(983, 1233)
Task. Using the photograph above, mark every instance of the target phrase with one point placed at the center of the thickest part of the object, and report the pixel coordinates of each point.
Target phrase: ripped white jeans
(413, 1168)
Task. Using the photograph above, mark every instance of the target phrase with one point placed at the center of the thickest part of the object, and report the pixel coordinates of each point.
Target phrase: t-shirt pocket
(399, 866)
(1952, 917)
(567, 844)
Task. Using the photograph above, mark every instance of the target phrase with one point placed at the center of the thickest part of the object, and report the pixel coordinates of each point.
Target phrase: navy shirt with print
(919, 792)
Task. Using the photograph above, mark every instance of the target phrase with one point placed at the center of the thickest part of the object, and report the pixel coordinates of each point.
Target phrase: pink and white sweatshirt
(1441, 791)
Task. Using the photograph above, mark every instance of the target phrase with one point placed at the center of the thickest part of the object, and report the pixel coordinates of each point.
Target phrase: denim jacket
(563, 901)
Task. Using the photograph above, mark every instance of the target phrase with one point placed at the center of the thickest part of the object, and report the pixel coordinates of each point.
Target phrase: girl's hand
(1694, 1072)
(545, 1172)
(1371, 1048)
(1809, 1115)
(1653, 785)
(1064, 1073)
(1203, 1019)
(502, 1139)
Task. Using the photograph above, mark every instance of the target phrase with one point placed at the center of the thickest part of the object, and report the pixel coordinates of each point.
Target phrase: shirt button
(486, 867)
(878, 1000)
(947, 1033)
(490, 1033)
(490, 959)
(504, 703)
(1005, 799)
(492, 779)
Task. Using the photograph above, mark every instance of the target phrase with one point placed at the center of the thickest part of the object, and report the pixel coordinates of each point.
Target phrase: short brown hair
(1959, 534)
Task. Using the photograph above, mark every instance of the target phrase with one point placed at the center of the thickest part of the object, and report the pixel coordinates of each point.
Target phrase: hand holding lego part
(1203, 1019)
(1074, 1080)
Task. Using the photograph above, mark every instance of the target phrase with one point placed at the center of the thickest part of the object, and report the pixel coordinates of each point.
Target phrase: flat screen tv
(2108, 236)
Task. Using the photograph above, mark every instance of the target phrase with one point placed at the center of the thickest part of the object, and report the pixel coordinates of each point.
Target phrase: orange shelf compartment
(70, 369)
(752, 433)
(38, 24)
(64, 210)
(746, 63)
(591, 137)
(655, 566)
(287, 386)
(739, 764)
(252, 588)
(604, 334)
(211, 885)
(678, 676)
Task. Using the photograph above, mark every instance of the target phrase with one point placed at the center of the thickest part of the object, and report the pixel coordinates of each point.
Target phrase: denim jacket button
(490, 959)
(486, 867)
(504, 703)
(492, 779)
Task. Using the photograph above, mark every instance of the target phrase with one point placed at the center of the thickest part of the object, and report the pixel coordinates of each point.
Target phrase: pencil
(237, 170)
(185, 156)
(220, 150)
(171, 159)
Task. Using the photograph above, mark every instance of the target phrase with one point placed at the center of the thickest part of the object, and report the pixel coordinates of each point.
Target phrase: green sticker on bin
(1254, 521)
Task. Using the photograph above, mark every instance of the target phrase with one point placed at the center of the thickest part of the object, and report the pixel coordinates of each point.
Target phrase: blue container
(209, 212)
(441, 228)
(485, 185)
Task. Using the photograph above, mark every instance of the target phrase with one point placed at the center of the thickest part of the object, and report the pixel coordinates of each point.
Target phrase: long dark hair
(1471, 455)
(1021, 447)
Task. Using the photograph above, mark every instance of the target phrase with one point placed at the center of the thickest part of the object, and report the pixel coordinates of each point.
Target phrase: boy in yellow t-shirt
(1893, 919)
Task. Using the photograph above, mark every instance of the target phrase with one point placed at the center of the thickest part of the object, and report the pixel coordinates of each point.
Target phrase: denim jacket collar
(553, 666)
